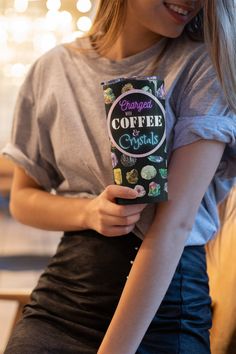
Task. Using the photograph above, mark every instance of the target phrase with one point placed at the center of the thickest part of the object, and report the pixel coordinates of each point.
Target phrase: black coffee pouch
(135, 109)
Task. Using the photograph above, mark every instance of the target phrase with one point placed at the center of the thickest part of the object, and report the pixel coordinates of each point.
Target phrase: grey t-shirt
(60, 136)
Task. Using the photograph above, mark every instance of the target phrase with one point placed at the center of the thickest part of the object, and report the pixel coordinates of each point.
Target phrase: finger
(113, 191)
(118, 230)
(126, 210)
(134, 208)
(120, 221)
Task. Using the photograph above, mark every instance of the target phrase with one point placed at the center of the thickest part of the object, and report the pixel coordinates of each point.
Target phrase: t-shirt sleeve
(202, 113)
(30, 146)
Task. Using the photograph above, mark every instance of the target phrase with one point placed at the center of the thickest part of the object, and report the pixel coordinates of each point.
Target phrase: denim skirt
(77, 294)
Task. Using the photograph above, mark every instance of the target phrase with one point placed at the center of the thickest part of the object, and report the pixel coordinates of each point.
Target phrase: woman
(60, 144)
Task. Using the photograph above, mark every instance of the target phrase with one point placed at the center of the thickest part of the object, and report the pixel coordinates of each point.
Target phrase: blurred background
(28, 28)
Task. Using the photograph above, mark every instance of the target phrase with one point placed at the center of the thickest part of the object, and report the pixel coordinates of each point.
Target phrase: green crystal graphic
(163, 172)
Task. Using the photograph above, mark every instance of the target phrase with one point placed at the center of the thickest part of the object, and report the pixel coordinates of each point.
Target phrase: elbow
(16, 210)
(185, 225)
(180, 231)
(13, 209)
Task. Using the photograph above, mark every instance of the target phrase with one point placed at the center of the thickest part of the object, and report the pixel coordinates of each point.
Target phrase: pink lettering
(126, 105)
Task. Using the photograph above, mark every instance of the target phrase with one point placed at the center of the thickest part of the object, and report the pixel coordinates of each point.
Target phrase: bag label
(136, 123)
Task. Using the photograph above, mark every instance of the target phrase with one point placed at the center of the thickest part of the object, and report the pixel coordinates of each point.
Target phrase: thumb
(113, 191)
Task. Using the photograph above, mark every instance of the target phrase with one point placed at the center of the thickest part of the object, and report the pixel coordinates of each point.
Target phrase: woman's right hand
(110, 219)
(31, 205)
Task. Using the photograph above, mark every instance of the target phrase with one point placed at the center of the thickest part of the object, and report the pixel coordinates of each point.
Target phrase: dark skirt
(77, 294)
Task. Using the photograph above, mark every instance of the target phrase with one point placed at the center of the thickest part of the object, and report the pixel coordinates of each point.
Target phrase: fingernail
(133, 193)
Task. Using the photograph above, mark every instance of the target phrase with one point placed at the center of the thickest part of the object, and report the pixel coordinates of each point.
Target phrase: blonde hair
(107, 24)
(220, 37)
(215, 24)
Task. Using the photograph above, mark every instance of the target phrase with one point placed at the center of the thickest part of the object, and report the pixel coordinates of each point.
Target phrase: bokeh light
(21, 5)
(28, 29)
(84, 23)
(44, 42)
(53, 5)
(84, 5)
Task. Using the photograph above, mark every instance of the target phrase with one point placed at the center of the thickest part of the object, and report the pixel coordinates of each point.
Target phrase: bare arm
(190, 172)
(32, 205)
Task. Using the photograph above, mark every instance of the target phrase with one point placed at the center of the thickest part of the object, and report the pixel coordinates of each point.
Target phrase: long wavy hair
(215, 24)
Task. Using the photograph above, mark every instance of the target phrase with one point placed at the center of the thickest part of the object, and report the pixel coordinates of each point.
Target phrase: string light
(65, 19)
(53, 5)
(21, 5)
(52, 20)
(28, 29)
(84, 5)
(19, 27)
(15, 70)
(20, 31)
(18, 70)
(84, 23)
(44, 42)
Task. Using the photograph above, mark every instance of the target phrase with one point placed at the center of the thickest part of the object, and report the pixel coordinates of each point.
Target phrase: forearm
(43, 210)
(162, 247)
(32, 205)
(147, 284)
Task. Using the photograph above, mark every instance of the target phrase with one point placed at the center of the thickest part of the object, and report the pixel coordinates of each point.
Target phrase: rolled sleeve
(204, 114)
(29, 148)
(33, 169)
(191, 129)
(223, 129)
